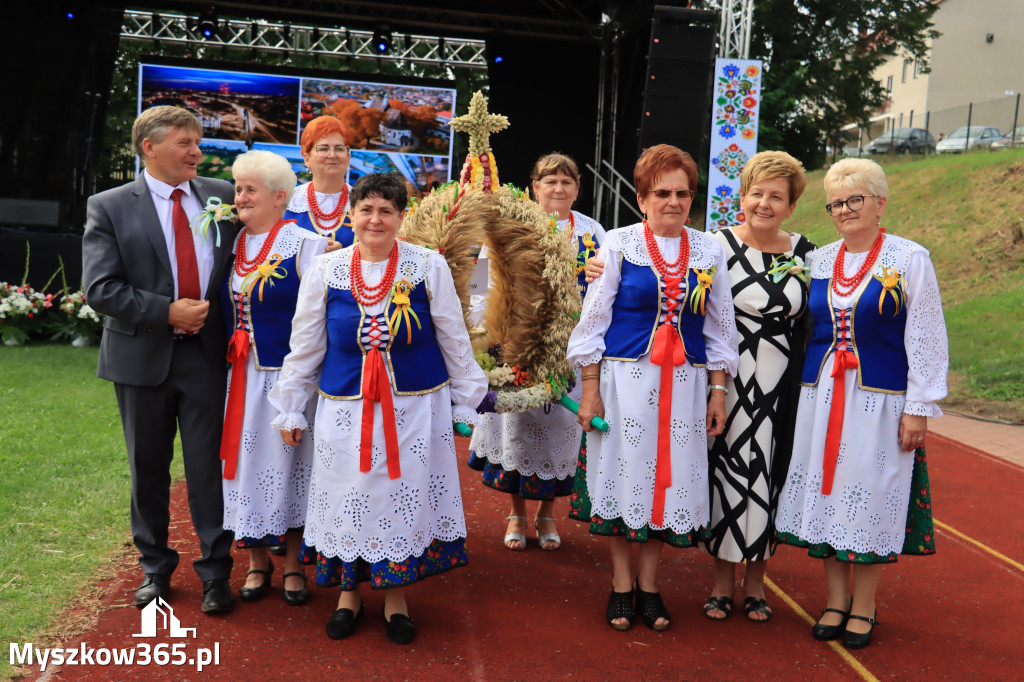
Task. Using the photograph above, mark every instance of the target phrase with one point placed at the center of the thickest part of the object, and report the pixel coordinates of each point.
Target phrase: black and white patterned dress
(748, 463)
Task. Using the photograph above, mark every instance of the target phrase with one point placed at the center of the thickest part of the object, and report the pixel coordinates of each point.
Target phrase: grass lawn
(964, 210)
(64, 484)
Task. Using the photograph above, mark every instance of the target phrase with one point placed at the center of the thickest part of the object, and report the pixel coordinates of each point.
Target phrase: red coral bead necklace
(839, 279)
(244, 266)
(367, 295)
(318, 215)
(667, 269)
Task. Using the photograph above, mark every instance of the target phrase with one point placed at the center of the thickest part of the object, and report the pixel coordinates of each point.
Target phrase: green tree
(819, 59)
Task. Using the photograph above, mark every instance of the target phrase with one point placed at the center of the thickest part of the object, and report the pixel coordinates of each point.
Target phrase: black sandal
(651, 607)
(250, 594)
(620, 605)
(723, 604)
(752, 605)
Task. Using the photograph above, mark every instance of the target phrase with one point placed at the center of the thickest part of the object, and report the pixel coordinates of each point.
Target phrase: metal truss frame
(734, 29)
(265, 36)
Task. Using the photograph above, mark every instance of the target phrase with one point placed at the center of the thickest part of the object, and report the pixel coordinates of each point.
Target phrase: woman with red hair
(322, 206)
(656, 334)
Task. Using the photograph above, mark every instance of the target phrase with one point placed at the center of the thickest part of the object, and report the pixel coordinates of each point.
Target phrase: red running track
(540, 615)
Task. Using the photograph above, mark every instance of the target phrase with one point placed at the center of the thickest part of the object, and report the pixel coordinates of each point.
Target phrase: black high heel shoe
(651, 607)
(295, 597)
(826, 633)
(620, 605)
(249, 594)
(859, 640)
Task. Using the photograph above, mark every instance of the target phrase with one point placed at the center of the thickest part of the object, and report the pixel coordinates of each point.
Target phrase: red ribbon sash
(841, 361)
(238, 352)
(669, 352)
(377, 388)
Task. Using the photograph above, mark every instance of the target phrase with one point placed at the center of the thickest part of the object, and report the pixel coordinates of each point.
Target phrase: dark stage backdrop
(548, 89)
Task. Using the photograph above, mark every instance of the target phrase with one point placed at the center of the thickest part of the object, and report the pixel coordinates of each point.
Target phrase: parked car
(1016, 139)
(902, 141)
(968, 138)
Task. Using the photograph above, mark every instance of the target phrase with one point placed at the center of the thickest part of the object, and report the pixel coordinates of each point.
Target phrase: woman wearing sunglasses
(656, 333)
(857, 491)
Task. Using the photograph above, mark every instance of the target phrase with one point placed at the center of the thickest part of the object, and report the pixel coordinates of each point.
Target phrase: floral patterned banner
(737, 100)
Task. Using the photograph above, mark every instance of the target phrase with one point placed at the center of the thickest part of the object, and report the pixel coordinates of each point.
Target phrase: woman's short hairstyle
(387, 186)
(553, 163)
(273, 170)
(661, 159)
(320, 127)
(771, 165)
(153, 123)
(854, 174)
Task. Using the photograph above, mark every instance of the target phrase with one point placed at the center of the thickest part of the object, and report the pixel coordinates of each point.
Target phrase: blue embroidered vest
(877, 339)
(343, 235)
(414, 369)
(269, 321)
(637, 312)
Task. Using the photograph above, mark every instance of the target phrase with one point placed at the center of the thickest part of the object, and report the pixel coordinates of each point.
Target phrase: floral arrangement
(534, 296)
(783, 265)
(21, 311)
(76, 320)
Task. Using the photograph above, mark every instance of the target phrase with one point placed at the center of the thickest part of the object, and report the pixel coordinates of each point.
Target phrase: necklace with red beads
(839, 279)
(244, 266)
(572, 227)
(332, 218)
(667, 269)
(367, 295)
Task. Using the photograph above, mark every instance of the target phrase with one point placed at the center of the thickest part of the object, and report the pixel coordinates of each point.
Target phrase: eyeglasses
(854, 203)
(681, 194)
(326, 149)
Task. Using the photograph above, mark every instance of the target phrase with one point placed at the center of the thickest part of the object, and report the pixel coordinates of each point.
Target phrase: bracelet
(721, 388)
(596, 375)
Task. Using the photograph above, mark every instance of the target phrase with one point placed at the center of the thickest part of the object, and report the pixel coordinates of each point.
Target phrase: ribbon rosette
(263, 273)
(214, 212)
(403, 309)
(894, 284)
(782, 266)
(588, 252)
(699, 295)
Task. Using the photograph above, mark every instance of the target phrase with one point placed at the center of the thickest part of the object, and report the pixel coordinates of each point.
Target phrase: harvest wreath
(533, 300)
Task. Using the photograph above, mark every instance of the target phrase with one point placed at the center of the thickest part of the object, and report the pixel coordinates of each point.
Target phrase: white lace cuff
(587, 360)
(286, 421)
(922, 409)
(712, 366)
(464, 414)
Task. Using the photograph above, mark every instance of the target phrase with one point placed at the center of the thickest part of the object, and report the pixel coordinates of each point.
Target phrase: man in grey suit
(164, 343)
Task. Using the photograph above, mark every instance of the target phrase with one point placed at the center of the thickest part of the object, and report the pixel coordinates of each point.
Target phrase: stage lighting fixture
(69, 15)
(382, 40)
(499, 59)
(207, 25)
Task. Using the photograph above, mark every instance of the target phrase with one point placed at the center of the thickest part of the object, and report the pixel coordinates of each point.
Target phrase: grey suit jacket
(126, 273)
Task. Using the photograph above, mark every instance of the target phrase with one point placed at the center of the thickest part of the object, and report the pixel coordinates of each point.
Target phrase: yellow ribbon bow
(704, 280)
(893, 283)
(403, 308)
(263, 273)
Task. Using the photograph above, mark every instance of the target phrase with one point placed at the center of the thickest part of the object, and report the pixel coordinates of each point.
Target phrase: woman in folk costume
(857, 491)
(532, 455)
(656, 333)
(265, 482)
(381, 326)
(322, 205)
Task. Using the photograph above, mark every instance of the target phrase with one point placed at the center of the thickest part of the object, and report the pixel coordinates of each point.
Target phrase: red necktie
(188, 269)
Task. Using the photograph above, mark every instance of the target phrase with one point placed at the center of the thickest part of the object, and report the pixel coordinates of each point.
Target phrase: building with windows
(975, 68)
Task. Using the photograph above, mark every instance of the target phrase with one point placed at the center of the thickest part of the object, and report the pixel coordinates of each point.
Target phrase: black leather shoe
(401, 629)
(859, 640)
(278, 550)
(217, 597)
(826, 633)
(250, 594)
(342, 622)
(154, 585)
(296, 597)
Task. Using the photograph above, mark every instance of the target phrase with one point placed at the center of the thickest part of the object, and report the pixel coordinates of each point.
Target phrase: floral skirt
(440, 556)
(579, 510)
(920, 537)
(510, 481)
(265, 541)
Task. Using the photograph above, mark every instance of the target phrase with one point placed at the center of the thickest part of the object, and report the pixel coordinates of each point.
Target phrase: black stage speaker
(677, 88)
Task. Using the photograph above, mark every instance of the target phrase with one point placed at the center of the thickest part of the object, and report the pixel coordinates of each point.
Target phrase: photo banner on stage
(394, 127)
(735, 115)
